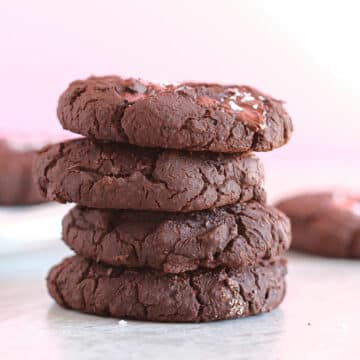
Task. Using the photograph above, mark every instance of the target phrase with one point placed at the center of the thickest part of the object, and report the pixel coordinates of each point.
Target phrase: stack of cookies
(171, 222)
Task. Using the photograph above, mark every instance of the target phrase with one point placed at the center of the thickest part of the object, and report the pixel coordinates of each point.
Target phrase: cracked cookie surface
(151, 295)
(187, 116)
(122, 176)
(326, 224)
(234, 236)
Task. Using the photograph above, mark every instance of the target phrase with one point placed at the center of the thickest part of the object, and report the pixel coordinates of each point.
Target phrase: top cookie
(187, 116)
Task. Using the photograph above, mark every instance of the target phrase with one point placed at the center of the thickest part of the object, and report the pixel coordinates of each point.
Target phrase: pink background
(306, 54)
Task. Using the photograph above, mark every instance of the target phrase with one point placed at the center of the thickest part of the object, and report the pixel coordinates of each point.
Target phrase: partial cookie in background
(187, 116)
(145, 294)
(234, 236)
(326, 224)
(122, 176)
(17, 186)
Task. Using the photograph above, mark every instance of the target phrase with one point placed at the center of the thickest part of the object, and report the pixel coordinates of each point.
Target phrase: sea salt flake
(255, 106)
(261, 98)
(122, 323)
(183, 88)
(235, 92)
(247, 98)
(235, 106)
(166, 83)
(263, 126)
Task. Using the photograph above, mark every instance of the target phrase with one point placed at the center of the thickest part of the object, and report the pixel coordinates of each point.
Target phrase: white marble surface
(30, 228)
(319, 319)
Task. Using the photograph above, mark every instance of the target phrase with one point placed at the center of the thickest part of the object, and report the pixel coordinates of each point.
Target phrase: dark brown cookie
(16, 180)
(151, 295)
(326, 224)
(234, 236)
(191, 116)
(121, 176)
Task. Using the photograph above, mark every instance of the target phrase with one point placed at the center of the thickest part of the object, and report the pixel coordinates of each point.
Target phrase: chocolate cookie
(121, 176)
(326, 224)
(234, 236)
(151, 295)
(191, 116)
(16, 180)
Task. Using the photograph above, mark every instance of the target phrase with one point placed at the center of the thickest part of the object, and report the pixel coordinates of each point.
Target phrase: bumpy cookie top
(191, 116)
(246, 103)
